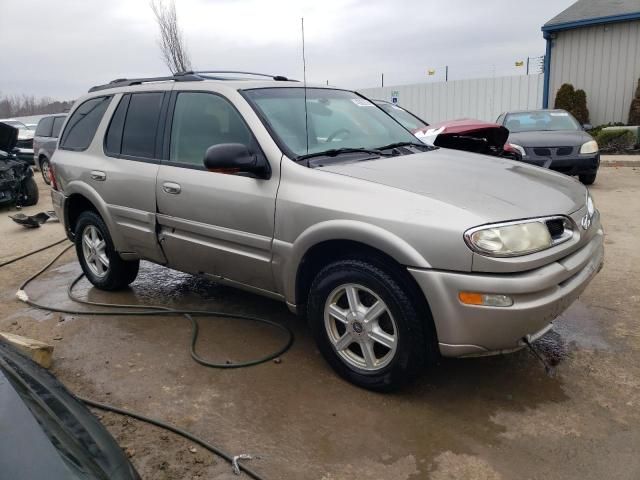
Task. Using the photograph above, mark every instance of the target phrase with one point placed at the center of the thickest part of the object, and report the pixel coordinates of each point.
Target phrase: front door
(213, 223)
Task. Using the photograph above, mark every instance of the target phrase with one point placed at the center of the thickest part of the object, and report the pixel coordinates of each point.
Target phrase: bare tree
(171, 42)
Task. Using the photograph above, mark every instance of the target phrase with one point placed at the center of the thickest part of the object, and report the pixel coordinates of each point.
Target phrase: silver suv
(396, 252)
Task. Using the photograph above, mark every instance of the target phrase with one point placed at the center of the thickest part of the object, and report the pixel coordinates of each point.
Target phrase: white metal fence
(482, 98)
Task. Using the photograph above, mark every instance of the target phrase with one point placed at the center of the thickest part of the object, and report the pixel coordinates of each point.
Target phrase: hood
(563, 138)
(8, 137)
(492, 188)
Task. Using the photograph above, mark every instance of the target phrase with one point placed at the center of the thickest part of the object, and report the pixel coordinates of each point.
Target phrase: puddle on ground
(580, 326)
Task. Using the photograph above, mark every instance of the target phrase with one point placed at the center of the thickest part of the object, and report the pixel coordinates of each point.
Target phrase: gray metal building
(595, 46)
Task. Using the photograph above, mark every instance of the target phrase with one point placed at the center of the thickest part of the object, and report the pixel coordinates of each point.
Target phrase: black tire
(588, 179)
(44, 170)
(119, 273)
(416, 338)
(30, 192)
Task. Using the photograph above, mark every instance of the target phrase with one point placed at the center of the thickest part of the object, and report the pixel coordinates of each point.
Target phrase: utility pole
(382, 80)
(528, 65)
(446, 73)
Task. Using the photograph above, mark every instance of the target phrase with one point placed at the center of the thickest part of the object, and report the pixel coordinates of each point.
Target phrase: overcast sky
(59, 48)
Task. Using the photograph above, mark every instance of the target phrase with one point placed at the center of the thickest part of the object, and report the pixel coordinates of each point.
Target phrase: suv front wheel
(369, 325)
(100, 262)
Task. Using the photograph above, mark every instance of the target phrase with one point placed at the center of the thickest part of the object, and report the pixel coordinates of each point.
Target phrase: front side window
(44, 127)
(57, 126)
(201, 120)
(333, 119)
(83, 124)
(538, 121)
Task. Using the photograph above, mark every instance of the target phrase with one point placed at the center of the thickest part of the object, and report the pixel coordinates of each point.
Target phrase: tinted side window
(44, 127)
(139, 134)
(57, 125)
(83, 124)
(113, 137)
(201, 120)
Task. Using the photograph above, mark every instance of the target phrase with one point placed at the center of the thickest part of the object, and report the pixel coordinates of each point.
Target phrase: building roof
(594, 12)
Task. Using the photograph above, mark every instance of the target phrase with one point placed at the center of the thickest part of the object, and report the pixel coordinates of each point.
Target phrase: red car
(464, 134)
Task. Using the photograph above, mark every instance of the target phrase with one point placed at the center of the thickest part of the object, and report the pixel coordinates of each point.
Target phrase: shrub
(634, 110)
(615, 140)
(573, 101)
(595, 131)
(580, 110)
(564, 97)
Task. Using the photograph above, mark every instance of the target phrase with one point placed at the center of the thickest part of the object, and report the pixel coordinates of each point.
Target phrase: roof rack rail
(207, 74)
(189, 76)
(126, 82)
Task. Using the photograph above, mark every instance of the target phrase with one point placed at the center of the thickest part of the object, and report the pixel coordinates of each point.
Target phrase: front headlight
(519, 148)
(590, 147)
(509, 240)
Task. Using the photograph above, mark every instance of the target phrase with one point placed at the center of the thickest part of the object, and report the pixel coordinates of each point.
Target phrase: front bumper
(571, 165)
(539, 296)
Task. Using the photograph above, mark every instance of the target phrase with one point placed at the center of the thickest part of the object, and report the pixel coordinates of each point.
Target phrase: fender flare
(356, 231)
(84, 190)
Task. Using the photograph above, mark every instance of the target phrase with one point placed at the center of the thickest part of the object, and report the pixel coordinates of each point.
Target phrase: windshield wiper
(334, 152)
(405, 144)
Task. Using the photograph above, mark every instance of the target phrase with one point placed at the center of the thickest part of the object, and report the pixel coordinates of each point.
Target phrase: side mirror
(235, 158)
(587, 126)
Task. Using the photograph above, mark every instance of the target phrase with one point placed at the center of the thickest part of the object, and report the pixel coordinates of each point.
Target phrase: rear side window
(113, 138)
(44, 127)
(57, 125)
(140, 125)
(83, 124)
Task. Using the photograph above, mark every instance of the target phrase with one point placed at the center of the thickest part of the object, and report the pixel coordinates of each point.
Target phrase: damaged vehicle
(17, 185)
(464, 134)
(46, 432)
(24, 145)
(395, 251)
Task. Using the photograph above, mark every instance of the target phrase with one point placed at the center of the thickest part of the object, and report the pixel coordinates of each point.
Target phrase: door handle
(171, 187)
(98, 175)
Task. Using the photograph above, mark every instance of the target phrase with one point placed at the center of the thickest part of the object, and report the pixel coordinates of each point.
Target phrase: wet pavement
(486, 418)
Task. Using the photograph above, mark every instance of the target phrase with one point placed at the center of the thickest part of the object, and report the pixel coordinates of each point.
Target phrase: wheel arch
(80, 197)
(332, 240)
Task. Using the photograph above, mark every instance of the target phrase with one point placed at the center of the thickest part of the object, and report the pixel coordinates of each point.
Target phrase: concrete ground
(489, 418)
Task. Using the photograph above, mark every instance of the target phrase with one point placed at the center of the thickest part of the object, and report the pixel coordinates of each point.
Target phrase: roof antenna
(304, 73)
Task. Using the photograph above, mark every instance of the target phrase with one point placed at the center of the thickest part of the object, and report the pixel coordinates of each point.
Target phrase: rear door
(126, 179)
(214, 223)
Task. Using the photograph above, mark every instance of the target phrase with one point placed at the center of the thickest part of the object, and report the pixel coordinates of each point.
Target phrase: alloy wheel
(94, 249)
(360, 327)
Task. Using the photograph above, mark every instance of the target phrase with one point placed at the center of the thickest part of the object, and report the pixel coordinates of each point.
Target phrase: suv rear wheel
(100, 262)
(368, 324)
(45, 170)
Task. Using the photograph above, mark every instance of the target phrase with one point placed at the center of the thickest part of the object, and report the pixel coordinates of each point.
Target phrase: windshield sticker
(361, 102)
(559, 114)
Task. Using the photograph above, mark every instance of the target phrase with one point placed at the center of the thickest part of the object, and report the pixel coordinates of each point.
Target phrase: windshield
(336, 119)
(408, 120)
(541, 121)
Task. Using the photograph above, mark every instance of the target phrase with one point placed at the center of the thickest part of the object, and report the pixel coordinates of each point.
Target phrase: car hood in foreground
(45, 432)
(494, 189)
(564, 138)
